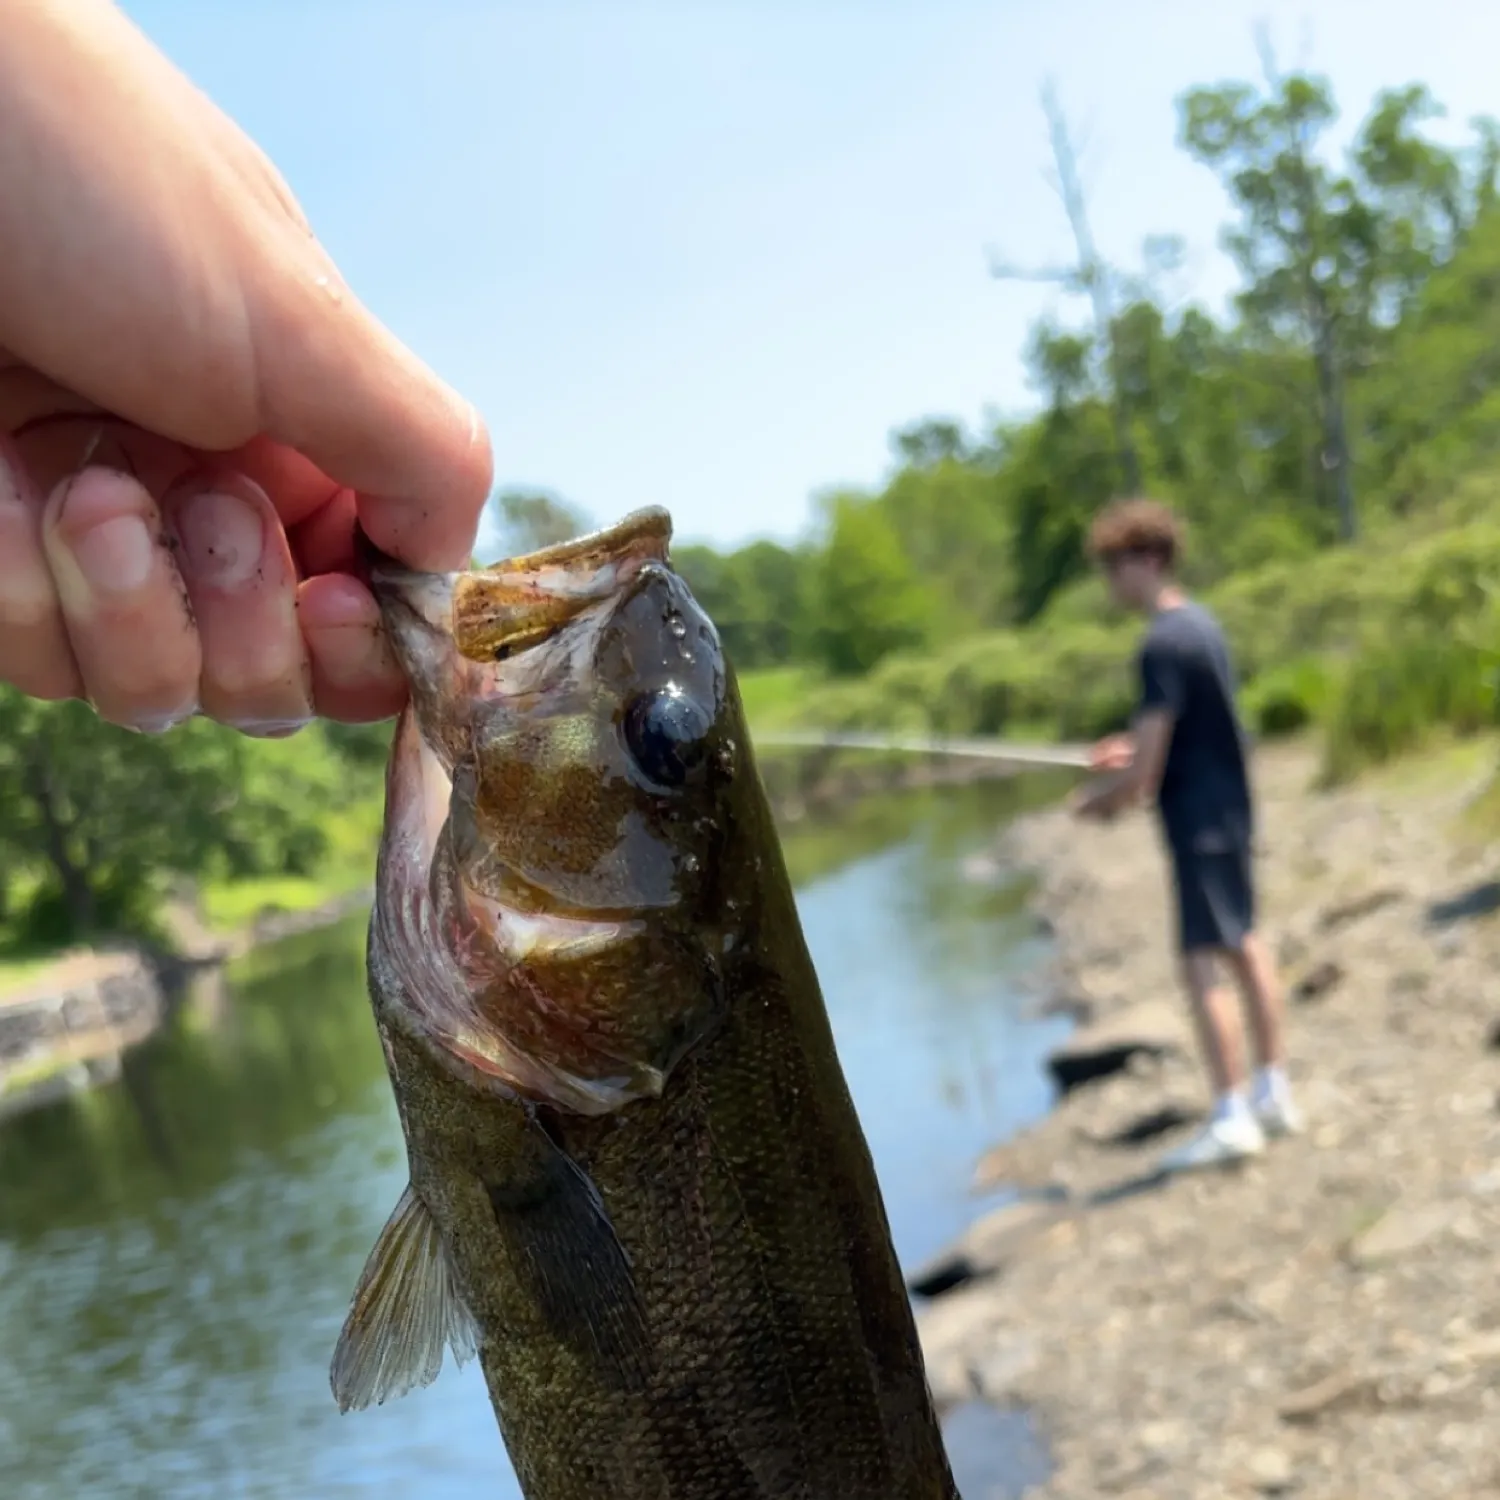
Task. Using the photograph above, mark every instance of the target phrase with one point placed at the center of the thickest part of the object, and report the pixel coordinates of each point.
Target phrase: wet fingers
(355, 676)
(241, 584)
(156, 583)
(122, 599)
(34, 652)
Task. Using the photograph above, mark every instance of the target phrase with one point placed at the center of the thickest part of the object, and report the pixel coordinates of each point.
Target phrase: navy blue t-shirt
(1185, 669)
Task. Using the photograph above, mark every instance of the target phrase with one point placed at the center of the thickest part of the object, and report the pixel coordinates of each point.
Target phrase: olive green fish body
(656, 1219)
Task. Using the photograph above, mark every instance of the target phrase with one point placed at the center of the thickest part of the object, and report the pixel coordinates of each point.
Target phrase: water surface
(177, 1250)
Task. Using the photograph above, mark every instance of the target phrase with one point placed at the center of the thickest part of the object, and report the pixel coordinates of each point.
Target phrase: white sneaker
(1226, 1139)
(1278, 1116)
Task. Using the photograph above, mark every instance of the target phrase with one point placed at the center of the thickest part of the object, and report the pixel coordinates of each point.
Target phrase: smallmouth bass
(638, 1187)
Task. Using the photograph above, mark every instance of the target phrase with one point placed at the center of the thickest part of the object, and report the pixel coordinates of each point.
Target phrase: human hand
(1113, 753)
(193, 408)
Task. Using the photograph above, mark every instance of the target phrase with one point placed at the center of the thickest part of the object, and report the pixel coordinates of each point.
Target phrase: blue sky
(709, 254)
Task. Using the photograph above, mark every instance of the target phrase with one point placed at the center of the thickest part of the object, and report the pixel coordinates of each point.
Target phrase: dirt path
(1326, 1321)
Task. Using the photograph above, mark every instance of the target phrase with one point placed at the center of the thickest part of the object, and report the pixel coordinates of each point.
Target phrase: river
(177, 1249)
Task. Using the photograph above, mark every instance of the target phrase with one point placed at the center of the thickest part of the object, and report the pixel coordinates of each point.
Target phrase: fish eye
(666, 732)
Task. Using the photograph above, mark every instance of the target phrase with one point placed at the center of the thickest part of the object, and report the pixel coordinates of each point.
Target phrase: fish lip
(425, 597)
(646, 532)
(417, 607)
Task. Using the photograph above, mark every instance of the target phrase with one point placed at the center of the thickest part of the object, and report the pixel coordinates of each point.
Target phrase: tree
(1306, 240)
(1332, 260)
(869, 600)
(1061, 470)
(530, 519)
(92, 816)
(1431, 407)
(1091, 275)
(947, 507)
(922, 445)
(756, 597)
(1225, 435)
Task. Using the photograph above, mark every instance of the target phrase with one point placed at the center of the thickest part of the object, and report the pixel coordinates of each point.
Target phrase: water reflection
(177, 1250)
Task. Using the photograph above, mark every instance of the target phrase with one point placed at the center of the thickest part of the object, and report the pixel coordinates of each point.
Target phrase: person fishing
(1187, 752)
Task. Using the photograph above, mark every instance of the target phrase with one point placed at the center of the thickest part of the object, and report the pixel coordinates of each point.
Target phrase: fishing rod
(1069, 757)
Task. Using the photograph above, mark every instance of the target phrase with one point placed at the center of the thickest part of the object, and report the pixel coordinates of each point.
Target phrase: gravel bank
(1324, 1322)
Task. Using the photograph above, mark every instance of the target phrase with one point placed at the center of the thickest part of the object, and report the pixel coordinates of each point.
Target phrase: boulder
(1151, 1029)
(1316, 980)
(985, 1247)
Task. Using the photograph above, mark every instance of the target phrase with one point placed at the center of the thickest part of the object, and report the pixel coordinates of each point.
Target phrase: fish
(639, 1191)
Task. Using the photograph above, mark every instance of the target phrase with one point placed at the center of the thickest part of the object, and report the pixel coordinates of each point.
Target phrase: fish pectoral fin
(565, 1250)
(406, 1309)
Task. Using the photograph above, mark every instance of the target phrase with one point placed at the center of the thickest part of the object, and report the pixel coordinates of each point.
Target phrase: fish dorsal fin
(406, 1308)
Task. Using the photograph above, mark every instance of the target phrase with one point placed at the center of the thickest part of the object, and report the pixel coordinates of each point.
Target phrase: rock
(996, 1373)
(1478, 901)
(1217, 1302)
(1399, 1231)
(1343, 1388)
(1316, 981)
(1077, 1008)
(963, 1337)
(1341, 913)
(1153, 1028)
(984, 1248)
(1142, 1129)
(1162, 1438)
(1478, 1349)
(1270, 1471)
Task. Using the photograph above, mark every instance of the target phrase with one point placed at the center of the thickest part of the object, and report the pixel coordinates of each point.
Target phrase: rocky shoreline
(69, 1027)
(1323, 1322)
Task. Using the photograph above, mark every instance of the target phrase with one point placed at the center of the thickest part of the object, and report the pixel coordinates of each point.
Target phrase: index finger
(369, 414)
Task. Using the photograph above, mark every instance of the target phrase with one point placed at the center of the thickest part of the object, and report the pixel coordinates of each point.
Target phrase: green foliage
(1289, 698)
(867, 597)
(948, 507)
(94, 818)
(756, 596)
(1406, 683)
(529, 519)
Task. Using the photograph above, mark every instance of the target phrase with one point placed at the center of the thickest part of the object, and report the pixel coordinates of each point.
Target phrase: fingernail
(270, 729)
(115, 556)
(223, 537)
(149, 723)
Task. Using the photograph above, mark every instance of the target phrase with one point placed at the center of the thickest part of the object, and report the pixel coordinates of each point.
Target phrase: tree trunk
(1130, 464)
(1331, 411)
(77, 891)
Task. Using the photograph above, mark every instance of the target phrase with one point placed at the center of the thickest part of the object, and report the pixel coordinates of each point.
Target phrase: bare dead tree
(1090, 275)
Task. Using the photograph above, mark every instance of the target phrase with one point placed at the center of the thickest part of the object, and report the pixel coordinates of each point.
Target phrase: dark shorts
(1215, 896)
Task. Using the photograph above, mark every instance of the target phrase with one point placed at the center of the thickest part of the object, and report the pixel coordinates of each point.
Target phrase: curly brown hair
(1137, 527)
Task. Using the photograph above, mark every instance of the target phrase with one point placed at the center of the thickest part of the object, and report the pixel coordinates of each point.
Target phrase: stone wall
(73, 1023)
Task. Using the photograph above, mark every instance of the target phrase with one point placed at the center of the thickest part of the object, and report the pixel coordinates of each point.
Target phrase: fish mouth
(485, 615)
(494, 946)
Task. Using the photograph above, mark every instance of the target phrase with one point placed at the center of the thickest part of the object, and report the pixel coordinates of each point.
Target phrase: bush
(1287, 699)
(1406, 683)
